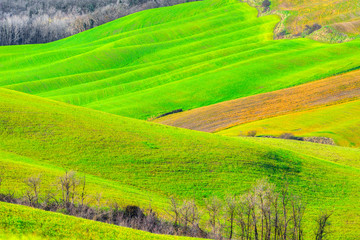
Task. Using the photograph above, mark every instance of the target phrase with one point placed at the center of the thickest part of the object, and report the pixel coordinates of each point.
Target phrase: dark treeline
(42, 21)
(262, 213)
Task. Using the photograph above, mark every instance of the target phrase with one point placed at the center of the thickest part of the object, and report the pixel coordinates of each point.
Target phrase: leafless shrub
(252, 133)
(33, 191)
(287, 136)
(175, 211)
(310, 29)
(321, 140)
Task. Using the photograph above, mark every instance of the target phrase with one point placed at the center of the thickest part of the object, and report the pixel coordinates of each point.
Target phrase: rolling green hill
(186, 56)
(25, 223)
(340, 122)
(152, 62)
(126, 155)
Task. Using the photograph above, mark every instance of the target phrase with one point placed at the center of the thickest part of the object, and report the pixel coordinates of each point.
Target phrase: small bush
(133, 212)
(266, 5)
(252, 133)
(310, 29)
(287, 136)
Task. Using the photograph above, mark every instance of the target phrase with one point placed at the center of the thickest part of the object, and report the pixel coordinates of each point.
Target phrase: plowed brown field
(227, 114)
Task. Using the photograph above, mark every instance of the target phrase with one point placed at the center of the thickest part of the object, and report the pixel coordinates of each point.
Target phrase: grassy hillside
(15, 169)
(17, 221)
(186, 56)
(329, 91)
(340, 122)
(126, 155)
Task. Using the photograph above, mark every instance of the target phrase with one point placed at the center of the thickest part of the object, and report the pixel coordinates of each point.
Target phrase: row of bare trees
(262, 213)
(70, 196)
(41, 21)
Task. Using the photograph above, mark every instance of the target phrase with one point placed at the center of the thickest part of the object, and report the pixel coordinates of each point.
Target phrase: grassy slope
(15, 168)
(162, 160)
(341, 14)
(37, 224)
(340, 122)
(329, 91)
(185, 56)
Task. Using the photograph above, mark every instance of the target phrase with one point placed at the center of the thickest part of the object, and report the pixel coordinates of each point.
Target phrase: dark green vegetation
(185, 56)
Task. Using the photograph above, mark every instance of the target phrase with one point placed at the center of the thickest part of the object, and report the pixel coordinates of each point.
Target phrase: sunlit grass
(185, 56)
(127, 158)
(340, 122)
(25, 223)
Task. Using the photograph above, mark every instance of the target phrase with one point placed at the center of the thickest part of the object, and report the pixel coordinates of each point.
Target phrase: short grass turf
(185, 56)
(159, 161)
(16, 169)
(340, 122)
(26, 223)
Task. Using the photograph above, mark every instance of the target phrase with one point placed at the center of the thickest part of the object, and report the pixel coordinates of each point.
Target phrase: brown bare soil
(227, 114)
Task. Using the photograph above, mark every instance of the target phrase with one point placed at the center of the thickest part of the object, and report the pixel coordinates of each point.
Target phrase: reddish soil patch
(223, 115)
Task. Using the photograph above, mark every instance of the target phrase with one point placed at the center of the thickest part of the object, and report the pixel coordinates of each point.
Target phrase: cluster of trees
(74, 200)
(262, 213)
(42, 21)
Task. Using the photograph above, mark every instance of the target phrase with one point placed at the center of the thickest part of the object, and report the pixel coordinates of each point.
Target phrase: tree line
(262, 213)
(42, 21)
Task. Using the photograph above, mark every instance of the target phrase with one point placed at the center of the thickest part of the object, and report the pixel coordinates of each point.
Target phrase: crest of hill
(180, 57)
(123, 153)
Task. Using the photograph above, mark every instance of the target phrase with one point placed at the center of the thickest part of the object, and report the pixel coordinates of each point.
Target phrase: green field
(66, 106)
(185, 56)
(25, 223)
(151, 161)
(340, 122)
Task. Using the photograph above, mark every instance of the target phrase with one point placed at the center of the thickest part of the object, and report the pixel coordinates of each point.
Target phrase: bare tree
(68, 184)
(230, 211)
(32, 193)
(298, 211)
(83, 193)
(284, 198)
(214, 208)
(175, 211)
(189, 214)
(322, 226)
